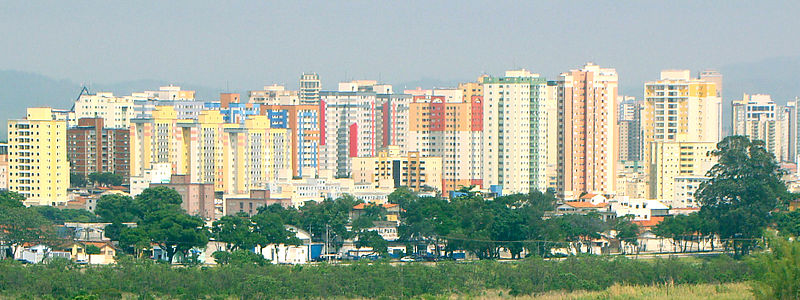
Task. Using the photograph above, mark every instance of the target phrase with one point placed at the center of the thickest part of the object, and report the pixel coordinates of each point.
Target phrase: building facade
(452, 131)
(513, 143)
(348, 128)
(197, 198)
(759, 118)
(302, 122)
(234, 157)
(587, 130)
(630, 131)
(678, 110)
(116, 112)
(94, 148)
(391, 169)
(672, 160)
(37, 154)
(310, 86)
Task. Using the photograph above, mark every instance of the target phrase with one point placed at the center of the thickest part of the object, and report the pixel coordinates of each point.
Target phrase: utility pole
(327, 252)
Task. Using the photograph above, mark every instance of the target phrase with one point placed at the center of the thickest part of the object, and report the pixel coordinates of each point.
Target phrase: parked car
(408, 259)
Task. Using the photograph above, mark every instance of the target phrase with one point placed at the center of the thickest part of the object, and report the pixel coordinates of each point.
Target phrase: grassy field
(725, 291)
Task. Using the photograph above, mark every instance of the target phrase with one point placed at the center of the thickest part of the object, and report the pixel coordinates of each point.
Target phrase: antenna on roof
(84, 91)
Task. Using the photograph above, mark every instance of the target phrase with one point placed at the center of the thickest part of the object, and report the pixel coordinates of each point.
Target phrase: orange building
(452, 131)
(587, 148)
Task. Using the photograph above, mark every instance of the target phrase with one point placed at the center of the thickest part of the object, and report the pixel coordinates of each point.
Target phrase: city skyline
(244, 47)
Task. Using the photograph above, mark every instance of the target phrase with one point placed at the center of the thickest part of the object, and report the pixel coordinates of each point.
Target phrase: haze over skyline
(248, 45)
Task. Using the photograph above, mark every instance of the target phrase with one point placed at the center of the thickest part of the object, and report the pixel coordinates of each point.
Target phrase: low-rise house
(639, 209)
(593, 198)
(35, 254)
(105, 256)
(91, 232)
(290, 254)
(581, 207)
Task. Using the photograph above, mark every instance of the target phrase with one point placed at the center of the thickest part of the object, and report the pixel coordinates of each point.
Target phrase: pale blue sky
(248, 44)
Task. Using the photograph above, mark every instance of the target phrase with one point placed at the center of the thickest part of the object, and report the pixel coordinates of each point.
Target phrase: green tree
(674, 228)
(236, 231)
(788, 223)
(627, 232)
(173, 231)
(157, 199)
(11, 199)
(105, 178)
(77, 180)
(270, 229)
(117, 209)
(331, 216)
(577, 230)
(91, 250)
(160, 220)
(372, 239)
(745, 186)
(134, 240)
(21, 224)
(59, 216)
(426, 220)
(402, 196)
(369, 215)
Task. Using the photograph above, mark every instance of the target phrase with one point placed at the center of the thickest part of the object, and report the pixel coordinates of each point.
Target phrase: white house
(289, 254)
(38, 253)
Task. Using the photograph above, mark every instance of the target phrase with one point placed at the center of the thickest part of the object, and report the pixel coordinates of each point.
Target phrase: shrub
(777, 273)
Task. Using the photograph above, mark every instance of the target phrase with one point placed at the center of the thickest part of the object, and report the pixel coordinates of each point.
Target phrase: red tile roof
(584, 204)
(649, 223)
(588, 196)
(363, 205)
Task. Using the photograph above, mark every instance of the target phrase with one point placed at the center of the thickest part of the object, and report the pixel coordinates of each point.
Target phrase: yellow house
(78, 253)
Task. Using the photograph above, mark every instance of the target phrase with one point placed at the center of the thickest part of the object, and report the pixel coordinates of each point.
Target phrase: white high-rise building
(514, 143)
(116, 112)
(757, 117)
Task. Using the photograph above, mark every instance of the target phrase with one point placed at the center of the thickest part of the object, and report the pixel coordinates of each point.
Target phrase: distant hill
(775, 76)
(20, 90)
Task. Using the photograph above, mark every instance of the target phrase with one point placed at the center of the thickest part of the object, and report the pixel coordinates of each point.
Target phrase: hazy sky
(248, 44)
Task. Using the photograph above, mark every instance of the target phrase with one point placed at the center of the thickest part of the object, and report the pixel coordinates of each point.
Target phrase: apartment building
(94, 148)
(3, 166)
(678, 110)
(348, 128)
(392, 169)
(759, 118)
(37, 155)
(587, 131)
(310, 86)
(116, 112)
(513, 126)
(678, 161)
(629, 136)
(303, 123)
(451, 130)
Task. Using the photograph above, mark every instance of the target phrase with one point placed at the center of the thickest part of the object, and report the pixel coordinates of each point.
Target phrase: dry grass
(728, 291)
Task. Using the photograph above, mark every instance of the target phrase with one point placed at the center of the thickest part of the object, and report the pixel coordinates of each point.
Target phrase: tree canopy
(159, 218)
(744, 188)
(105, 178)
